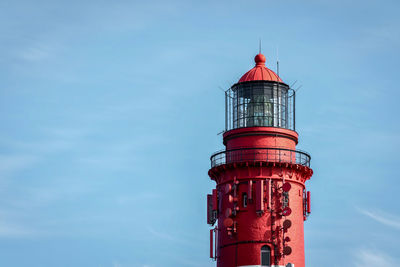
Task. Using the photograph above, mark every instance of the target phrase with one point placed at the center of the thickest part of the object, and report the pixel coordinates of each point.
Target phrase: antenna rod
(277, 60)
(259, 48)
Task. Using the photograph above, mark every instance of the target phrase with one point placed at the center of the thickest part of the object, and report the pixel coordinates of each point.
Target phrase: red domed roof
(260, 72)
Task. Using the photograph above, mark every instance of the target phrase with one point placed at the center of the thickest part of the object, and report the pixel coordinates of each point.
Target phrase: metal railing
(260, 155)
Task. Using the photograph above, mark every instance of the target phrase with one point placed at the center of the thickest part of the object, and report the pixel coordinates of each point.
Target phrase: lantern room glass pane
(260, 103)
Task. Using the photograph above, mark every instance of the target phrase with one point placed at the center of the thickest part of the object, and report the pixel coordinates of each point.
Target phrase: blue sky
(109, 111)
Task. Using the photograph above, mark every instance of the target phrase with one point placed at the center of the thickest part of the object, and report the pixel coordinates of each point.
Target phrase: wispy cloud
(121, 264)
(26, 154)
(169, 237)
(35, 52)
(382, 217)
(366, 257)
(161, 235)
(10, 163)
(137, 198)
(15, 231)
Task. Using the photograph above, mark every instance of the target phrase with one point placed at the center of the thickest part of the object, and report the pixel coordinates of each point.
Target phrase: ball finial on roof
(260, 60)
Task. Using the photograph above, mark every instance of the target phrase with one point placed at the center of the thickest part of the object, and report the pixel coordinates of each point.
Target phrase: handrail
(261, 155)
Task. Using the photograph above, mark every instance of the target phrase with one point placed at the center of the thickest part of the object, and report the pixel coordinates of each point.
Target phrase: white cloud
(11, 163)
(35, 52)
(137, 198)
(161, 235)
(119, 264)
(14, 231)
(26, 154)
(169, 237)
(366, 257)
(383, 218)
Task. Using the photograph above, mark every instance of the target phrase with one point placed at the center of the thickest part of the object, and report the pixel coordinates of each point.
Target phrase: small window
(244, 200)
(265, 256)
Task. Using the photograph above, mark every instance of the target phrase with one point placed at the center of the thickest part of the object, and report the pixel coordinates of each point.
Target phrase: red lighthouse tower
(260, 201)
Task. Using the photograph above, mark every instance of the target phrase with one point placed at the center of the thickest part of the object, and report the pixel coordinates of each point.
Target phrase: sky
(110, 110)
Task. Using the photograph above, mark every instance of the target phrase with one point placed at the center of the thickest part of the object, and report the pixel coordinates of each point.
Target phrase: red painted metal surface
(211, 243)
(250, 191)
(260, 72)
(260, 196)
(242, 230)
(286, 187)
(209, 209)
(260, 137)
(214, 200)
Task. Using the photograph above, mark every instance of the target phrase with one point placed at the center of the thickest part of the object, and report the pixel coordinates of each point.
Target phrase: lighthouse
(258, 207)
